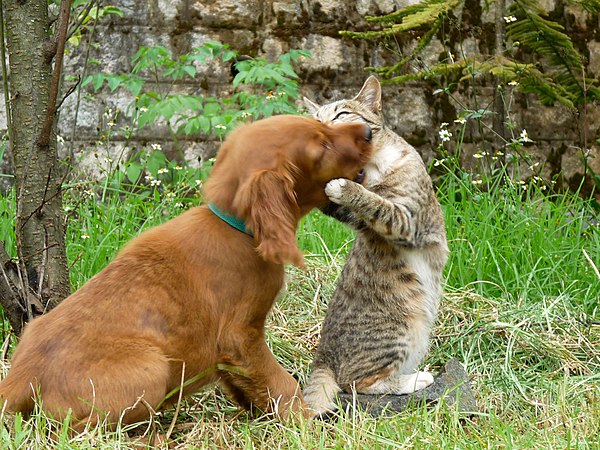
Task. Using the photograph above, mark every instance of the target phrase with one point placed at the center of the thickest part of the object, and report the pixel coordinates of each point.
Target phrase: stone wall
(336, 70)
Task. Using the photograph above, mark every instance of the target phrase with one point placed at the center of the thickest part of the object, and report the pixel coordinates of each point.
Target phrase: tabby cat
(379, 319)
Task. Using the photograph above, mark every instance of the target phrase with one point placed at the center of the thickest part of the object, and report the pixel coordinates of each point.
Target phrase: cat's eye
(341, 114)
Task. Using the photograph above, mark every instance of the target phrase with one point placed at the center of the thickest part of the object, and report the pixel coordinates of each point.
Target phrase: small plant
(269, 88)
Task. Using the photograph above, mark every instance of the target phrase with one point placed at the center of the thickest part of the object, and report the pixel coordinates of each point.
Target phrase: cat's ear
(370, 95)
(311, 106)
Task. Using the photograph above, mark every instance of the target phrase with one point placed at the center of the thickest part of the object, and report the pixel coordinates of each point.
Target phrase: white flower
(179, 205)
(108, 113)
(170, 195)
(198, 183)
(163, 170)
(60, 139)
(444, 124)
(149, 177)
(460, 120)
(438, 162)
(245, 114)
(220, 127)
(85, 236)
(509, 19)
(155, 183)
(513, 83)
(178, 168)
(524, 137)
(156, 146)
(445, 135)
(143, 109)
(477, 182)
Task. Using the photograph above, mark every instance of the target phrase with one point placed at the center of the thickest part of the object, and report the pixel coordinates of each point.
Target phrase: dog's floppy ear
(268, 203)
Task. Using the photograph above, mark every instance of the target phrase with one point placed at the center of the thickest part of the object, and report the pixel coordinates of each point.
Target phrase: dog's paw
(335, 188)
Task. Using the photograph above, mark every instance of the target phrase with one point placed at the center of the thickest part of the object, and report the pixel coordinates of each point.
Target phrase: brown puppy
(188, 299)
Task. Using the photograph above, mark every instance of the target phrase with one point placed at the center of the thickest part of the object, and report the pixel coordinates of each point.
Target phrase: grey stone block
(451, 384)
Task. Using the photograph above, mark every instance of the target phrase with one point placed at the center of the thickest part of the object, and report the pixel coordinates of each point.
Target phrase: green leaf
(190, 70)
(134, 84)
(98, 80)
(228, 55)
(87, 80)
(134, 170)
(112, 10)
(211, 109)
(156, 160)
(114, 82)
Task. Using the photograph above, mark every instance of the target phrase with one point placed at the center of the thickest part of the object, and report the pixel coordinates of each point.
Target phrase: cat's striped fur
(379, 319)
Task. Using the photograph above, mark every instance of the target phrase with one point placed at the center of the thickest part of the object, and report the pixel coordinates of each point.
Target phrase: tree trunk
(43, 278)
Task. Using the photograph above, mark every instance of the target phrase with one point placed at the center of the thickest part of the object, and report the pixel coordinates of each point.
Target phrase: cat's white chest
(384, 160)
(416, 260)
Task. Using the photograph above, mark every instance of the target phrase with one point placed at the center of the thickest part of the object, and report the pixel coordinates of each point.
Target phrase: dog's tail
(320, 391)
(16, 394)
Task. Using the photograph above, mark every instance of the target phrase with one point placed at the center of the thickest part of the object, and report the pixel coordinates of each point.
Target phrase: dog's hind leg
(125, 380)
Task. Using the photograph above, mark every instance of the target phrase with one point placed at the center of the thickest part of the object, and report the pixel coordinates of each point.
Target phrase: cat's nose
(368, 133)
(360, 177)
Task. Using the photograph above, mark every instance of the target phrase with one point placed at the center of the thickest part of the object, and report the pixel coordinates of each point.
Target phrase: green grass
(520, 312)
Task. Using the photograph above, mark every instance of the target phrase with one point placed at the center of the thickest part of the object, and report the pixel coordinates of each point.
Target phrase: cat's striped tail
(320, 391)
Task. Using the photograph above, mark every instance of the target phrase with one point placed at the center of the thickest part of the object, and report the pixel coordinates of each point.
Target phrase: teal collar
(235, 222)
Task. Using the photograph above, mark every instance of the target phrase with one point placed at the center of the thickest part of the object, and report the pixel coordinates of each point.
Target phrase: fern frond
(530, 79)
(389, 71)
(591, 6)
(453, 70)
(547, 39)
(408, 18)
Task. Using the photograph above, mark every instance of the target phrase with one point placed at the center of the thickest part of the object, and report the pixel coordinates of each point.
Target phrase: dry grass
(535, 370)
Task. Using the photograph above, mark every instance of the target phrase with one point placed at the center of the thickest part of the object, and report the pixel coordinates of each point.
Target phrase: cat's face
(364, 108)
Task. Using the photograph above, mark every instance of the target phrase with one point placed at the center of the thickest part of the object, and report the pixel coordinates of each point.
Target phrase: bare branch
(84, 14)
(58, 53)
(5, 75)
(69, 92)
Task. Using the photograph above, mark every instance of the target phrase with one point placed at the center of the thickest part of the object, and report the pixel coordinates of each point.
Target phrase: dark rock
(451, 384)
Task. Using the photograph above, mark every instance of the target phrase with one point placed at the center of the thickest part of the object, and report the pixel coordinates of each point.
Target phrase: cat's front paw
(335, 188)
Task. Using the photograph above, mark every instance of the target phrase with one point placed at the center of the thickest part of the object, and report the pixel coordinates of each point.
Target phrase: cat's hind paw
(335, 188)
(405, 384)
(422, 380)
